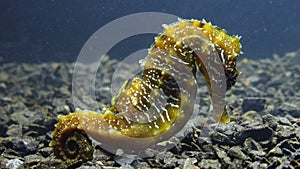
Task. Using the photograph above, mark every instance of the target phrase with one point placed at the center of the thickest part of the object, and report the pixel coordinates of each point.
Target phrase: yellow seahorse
(156, 105)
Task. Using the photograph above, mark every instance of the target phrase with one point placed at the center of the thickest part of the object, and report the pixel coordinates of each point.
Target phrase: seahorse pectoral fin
(225, 117)
(222, 117)
(113, 100)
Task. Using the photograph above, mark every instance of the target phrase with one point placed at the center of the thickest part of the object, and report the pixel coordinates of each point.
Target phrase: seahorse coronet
(156, 105)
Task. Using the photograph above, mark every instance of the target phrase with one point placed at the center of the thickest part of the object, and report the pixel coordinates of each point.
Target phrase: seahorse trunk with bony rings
(156, 105)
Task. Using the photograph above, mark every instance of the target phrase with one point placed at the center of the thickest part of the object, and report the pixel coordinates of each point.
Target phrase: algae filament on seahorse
(156, 105)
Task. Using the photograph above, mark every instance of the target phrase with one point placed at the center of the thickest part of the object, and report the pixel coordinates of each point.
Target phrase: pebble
(256, 104)
(258, 165)
(222, 155)
(167, 159)
(221, 138)
(236, 152)
(252, 116)
(14, 163)
(126, 166)
(189, 163)
(26, 117)
(250, 144)
(258, 134)
(46, 151)
(289, 108)
(33, 159)
(124, 160)
(285, 132)
(209, 163)
(270, 121)
(23, 146)
(4, 121)
(14, 130)
(276, 151)
(256, 155)
(87, 167)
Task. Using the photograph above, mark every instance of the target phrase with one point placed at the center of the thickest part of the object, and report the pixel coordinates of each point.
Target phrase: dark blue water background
(43, 31)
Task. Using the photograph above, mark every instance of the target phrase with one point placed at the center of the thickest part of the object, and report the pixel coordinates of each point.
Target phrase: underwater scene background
(40, 42)
(57, 30)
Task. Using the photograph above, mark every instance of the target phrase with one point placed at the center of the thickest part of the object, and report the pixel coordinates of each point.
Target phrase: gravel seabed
(264, 130)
